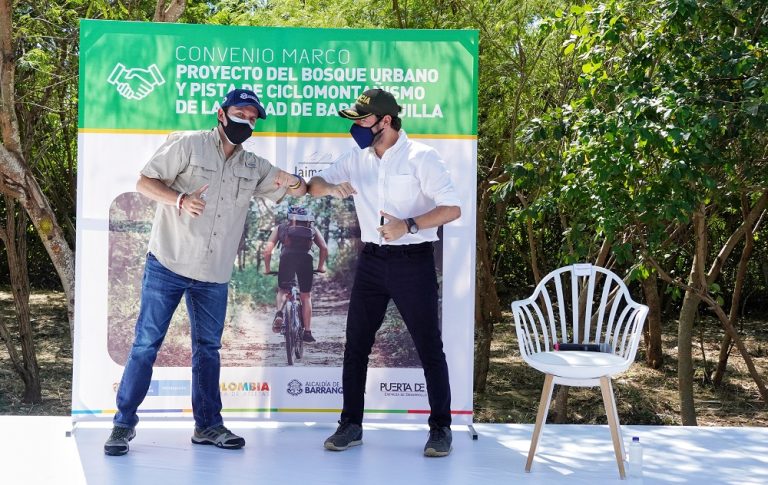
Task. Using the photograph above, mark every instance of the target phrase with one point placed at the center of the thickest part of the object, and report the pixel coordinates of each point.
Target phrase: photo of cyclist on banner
(295, 237)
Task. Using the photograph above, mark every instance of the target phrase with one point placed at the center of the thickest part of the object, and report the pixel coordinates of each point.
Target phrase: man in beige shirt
(203, 182)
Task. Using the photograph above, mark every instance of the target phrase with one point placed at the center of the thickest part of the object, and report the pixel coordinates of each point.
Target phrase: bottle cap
(636, 438)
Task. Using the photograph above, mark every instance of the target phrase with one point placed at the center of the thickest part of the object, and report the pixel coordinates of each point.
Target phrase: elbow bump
(454, 213)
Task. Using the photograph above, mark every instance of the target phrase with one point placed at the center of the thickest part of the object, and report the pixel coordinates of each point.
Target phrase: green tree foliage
(668, 130)
(607, 132)
(672, 113)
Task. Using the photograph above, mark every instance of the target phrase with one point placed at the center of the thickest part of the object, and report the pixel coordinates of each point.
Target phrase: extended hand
(342, 190)
(393, 229)
(194, 203)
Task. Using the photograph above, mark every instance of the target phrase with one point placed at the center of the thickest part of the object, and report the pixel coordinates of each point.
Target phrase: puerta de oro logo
(403, 389)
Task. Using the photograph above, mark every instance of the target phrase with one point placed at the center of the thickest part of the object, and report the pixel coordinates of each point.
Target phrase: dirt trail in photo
(248, 340)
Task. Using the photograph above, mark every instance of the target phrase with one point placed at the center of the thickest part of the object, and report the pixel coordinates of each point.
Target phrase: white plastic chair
(555, 313)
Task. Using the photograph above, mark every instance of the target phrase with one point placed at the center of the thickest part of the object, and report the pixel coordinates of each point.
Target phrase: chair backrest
(583, 304)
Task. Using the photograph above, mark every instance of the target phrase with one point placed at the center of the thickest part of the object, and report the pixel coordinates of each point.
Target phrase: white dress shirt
(408, 181)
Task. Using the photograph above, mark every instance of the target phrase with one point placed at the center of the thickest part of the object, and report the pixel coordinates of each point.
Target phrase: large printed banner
(141, 81)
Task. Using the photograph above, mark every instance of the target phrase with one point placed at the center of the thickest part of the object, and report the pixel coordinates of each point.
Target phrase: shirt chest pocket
(246, 180)
(402, 187)
(201, 171)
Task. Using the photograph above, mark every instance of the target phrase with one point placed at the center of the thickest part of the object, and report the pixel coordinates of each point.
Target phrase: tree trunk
(685, 323)
(16, 179)
(396, 8)
(753, 372)
(532, 247)
(483, 358)
(25, 365)
(733, 316)
(696, 291)
(169, 10)
(560, 408)
(487, 308)
(699, 281)
(654, 356)
(704, 296)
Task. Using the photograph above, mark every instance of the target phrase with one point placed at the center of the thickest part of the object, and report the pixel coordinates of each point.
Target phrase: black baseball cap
(244, 97)
(372, 102)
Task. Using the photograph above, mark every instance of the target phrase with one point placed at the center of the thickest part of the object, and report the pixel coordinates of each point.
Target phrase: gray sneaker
(439, 442)
(219, 436)
(117, 443)
(346, 435)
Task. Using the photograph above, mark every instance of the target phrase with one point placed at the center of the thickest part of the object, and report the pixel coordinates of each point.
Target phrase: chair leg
(541, 417)
(613, 422)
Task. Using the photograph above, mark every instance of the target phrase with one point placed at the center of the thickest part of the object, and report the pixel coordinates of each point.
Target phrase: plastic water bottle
(635, 458)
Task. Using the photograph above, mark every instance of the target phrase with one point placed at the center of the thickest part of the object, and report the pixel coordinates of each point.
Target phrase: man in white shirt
(402, 192)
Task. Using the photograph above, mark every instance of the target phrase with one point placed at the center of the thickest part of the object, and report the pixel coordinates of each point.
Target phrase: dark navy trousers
(406, 275)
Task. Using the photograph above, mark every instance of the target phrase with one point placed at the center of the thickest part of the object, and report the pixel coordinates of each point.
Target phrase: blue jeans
(161, 292)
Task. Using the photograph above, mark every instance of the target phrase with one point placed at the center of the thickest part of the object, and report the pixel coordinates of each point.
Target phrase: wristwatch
(413, 228)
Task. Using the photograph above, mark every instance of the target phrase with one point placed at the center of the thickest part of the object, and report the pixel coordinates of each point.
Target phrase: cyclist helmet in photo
(300, 214)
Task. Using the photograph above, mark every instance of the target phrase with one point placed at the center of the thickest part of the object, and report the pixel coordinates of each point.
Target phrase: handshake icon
(135, 83)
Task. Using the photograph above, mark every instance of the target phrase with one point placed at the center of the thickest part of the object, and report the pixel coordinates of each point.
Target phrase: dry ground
(54, 355)
(644, 396)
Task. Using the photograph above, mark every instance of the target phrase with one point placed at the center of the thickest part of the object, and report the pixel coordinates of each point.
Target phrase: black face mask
(364, 136)
(237, 130)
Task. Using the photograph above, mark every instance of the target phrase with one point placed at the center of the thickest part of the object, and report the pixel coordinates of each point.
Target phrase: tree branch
(9, 126)
(169, 10)
(734, 239)
(704, 295)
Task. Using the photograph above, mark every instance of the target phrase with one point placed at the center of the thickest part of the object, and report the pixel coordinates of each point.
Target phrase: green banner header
(163, 77)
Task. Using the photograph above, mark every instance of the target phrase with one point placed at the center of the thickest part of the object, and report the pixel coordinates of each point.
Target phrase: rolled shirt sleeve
(169, 160)
(267, 186)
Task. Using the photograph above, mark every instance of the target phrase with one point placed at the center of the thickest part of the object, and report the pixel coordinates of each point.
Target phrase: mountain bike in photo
(293, 324)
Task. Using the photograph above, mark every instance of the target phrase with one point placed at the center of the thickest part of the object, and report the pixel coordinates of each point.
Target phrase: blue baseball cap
(244, 97)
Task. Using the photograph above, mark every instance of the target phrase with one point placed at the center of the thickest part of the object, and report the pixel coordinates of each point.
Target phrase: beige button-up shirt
(204, 247)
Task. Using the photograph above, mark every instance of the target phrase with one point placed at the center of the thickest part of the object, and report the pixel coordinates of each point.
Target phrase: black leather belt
(372, 248)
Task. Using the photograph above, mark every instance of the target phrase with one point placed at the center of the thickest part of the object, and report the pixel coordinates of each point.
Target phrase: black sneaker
(439, 442)
(308, 338)
(117, 443)
(346, 435)
(277, 323)
(219, 436)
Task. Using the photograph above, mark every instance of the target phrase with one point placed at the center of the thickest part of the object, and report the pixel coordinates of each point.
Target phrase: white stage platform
(36, 450)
